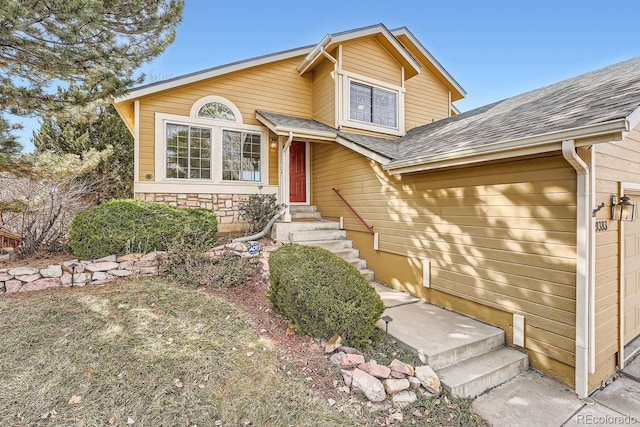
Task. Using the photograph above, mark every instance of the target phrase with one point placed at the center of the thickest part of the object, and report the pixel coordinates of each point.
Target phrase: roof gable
(379, 32)
(413, 45)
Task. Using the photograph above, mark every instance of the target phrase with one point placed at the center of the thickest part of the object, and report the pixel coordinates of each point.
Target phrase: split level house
(518, 212)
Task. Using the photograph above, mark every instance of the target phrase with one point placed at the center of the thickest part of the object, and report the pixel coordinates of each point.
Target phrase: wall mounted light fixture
(622, 209)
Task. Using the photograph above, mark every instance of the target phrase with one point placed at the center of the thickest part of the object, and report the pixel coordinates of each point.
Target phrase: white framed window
(241, 156)
(196, 151)
(216, 110)
(188, 151)
(372, 104)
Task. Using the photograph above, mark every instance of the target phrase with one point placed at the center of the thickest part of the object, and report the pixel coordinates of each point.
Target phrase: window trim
(353, 83)
(244, 131)
(211, 147)
(215, 98)
(216, 126)
(345, 119)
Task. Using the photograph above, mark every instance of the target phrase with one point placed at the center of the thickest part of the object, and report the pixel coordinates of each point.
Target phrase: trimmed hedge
(323, 294)
(126, 225)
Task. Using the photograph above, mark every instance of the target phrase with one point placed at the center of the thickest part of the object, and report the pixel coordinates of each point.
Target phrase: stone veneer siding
(225, 206)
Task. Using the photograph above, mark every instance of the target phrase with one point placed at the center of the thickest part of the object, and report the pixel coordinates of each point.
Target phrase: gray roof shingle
(599, 96)
(596, 97)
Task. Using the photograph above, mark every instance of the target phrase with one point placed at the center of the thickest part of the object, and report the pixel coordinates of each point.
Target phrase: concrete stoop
(308, 228)
(469, 356)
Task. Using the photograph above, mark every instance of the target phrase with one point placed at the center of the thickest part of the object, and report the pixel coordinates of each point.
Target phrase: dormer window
(373, 105)
(216, 110)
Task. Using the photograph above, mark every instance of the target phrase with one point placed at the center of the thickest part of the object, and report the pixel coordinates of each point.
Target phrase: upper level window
(373, 105)
(216, 110)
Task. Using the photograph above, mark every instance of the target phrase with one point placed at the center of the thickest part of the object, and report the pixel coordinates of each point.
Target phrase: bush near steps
(322, 294)
(126, 225)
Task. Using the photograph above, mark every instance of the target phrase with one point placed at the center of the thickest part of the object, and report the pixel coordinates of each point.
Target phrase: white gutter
(583, 226)
(510, 148)
(311, 57)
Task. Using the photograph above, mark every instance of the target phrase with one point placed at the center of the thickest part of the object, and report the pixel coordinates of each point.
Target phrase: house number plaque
(601, 225)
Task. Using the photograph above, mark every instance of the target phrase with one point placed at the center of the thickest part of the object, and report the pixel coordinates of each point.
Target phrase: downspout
(583, 219)
(263, 232)
(285, 179)
(336, 86)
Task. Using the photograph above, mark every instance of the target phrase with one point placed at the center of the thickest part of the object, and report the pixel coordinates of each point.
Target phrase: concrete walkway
(530, 399)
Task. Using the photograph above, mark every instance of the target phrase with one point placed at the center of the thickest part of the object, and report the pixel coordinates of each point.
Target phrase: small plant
(323, 294)
(258, 209)
(126, 225)
(188, 264)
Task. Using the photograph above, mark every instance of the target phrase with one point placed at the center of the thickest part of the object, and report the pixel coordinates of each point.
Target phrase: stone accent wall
(86, 272)
(226, 206)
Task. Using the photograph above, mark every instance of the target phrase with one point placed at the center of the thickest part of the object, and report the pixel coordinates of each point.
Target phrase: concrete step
(302, 208)
(330, 245)
(282, 230)
(358, 263)
(305, 215)
(368, 274)
(347, 253)
(439, 337)
(474, 376)
(321, 234)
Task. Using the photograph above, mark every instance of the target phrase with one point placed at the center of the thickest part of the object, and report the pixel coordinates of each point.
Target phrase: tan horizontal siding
(426, 100)
(502, 236)
(615, 162)
(324, 94)
(368, 58)
(275, 87)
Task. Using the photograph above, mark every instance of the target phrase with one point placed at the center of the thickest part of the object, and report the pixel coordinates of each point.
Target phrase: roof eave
(297, 132)
(331, 40)
(434, 62)
(212, 72)
(537, 144)
(377, 157)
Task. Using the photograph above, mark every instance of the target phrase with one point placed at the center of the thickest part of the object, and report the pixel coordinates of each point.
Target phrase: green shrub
(258, 209)
(188, 264)
(122, 226)
(323, 294)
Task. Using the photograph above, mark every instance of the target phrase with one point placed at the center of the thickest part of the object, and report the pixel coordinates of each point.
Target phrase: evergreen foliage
(122, 226)
(60, 54)
(323, 294)
(100, 129)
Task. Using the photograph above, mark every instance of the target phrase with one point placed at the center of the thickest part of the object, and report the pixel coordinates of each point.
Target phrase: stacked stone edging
(86, 272)
(399, 381)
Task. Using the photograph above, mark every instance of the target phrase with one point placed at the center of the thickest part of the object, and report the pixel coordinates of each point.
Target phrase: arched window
(216, 110)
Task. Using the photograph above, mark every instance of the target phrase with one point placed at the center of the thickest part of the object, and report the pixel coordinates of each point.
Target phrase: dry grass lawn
(147, 353)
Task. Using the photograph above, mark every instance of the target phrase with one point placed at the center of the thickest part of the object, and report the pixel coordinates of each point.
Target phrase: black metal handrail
(367, 226)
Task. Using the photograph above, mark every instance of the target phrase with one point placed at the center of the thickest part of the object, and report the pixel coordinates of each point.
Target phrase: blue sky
(493, 48)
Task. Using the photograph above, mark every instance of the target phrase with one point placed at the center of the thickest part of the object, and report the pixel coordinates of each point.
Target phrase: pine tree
(100, 129)
(9, 146)
(55, 55)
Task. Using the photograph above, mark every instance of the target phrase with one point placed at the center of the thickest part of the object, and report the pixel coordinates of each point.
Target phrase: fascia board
(405, 32)
(213, 72)
(537, 144)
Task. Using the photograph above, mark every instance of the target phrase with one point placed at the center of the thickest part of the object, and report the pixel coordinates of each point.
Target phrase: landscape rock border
(400, 381)
(80, 273)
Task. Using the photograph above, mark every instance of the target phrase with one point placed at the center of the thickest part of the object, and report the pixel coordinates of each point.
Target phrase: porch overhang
(302, 129)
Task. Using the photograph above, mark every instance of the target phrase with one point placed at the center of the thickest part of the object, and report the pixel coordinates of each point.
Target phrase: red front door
(297, 173)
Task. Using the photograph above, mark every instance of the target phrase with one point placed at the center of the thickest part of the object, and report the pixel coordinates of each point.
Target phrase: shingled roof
(596, 97)
(605, 95)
